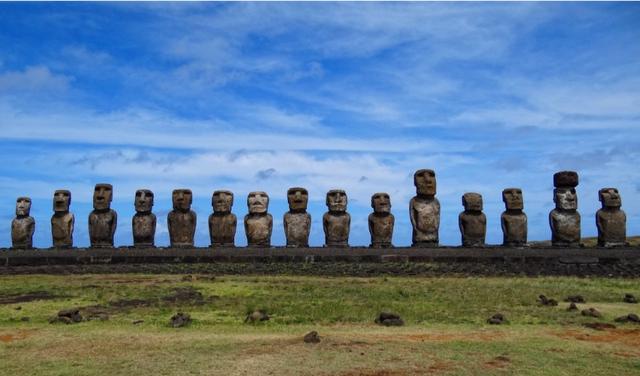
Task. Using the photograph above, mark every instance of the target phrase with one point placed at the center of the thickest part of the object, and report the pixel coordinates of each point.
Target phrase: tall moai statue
(513, 219)
(181, 220)
(102, 220)
(62, 220)
(23, 225)
(336, 222)
(144, 221)
(472, 221)
(222, 222)
(565, 219)
(297, 222)
(258, 224)
(611, 220)
(424, 210)
(381, 221)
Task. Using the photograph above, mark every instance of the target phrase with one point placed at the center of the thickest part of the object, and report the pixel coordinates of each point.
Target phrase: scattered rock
(136, 322)
(179, 320)
(575, 299)
(188, 278)
(547, 302)
(256, 316)
(312, 337)
(632, 317)
(389, 319)
(95, 313)
(591, 312)
(572, 307)
(497, 319)
(18, 308)
(28, 297)
(185, 295)
(67, 316)
(599, 326)
(629, 298)
(25, 319)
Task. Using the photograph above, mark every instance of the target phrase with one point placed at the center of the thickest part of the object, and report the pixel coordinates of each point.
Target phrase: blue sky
(266, 96)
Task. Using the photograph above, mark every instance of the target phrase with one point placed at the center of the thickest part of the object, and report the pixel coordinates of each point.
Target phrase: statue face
(337, 200)
(565, 198)
(610, 198)
(381, 203)
(23, 206)
(182, 199)
(222, 201)
(258, 202)
(102, 195)
(61, 200)
(144, 200)
(425, 182)
(512, 198)
(298, 198)
(472, 202)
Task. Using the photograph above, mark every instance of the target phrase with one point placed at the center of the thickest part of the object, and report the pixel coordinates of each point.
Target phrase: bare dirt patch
(444, 337)
(382, 372)
(630, 337)
(500, 361)
(28, 297)
(16, 336)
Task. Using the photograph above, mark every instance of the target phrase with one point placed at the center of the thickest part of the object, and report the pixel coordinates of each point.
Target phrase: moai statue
(102, 220)
(62, 220)
(565, 219)
(181, 220)
(472, 221)
(258, 224)
(297, 222)
(222, 223)
(144, 221)
(610, 220)
(513, 219)
(336, 222)
(424, 210)
(381, 221)
(23, 225)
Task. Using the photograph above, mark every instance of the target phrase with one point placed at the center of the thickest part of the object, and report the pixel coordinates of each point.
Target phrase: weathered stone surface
(629, 298)
(424, 210)
(144, 221)
(180, 320)
(181, 220)
(222, 223)
(611, 220)
(257, 316)
(547, 301)
(297, 222)
(513, 219)
(62, 220)
(102, 220)
(389, 319)
(258, 224)
(497, 319)
(591, 312)
(381, 221)
(23, 226)
(311, 337)
(336, 222)
(564, 220)
(472, 221)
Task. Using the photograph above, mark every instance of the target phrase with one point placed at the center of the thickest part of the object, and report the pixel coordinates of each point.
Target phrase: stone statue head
(565, 198)
(512, 198)
(258, 202)
(610, 198)
(61, 200)
(472, 201)
(298, 198)
(381, 203)
(23, 206)
(143, 201)
(425, 182)
(222, 201)
(337, 200)
(102, 196)
(182, 199)
(565, 179)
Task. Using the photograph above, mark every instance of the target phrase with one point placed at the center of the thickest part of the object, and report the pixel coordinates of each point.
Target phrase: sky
(353, 96)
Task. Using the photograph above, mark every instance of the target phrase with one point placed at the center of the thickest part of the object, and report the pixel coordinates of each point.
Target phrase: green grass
(445, 331)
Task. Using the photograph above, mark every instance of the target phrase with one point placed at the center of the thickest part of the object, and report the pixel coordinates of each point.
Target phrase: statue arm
(32, 227)
(461, 224)
(503, 224)
(309, 224)
(270, 226)
(195, 221)
(72, 222)
(526, 226)
(370, 224)
(286, 225)
(170, 226)
(115, 223)
(599, 221)
(412, 214)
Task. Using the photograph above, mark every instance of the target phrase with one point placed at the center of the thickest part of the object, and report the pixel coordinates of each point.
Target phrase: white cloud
(33, 79)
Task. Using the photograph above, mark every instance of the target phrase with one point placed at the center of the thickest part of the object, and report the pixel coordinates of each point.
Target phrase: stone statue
(144, 221)
(381, 221)
(102, 220)
(472, 221)
(424, 210)
(258, 224)
(297, 222)
(565, 219)
(336, 222)
(513, 219)
(610, 220)
(222, 223)
(62, 220)
(23, 225)
(181, 220)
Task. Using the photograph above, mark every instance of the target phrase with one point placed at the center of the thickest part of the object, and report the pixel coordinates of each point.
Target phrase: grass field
(445, 331)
